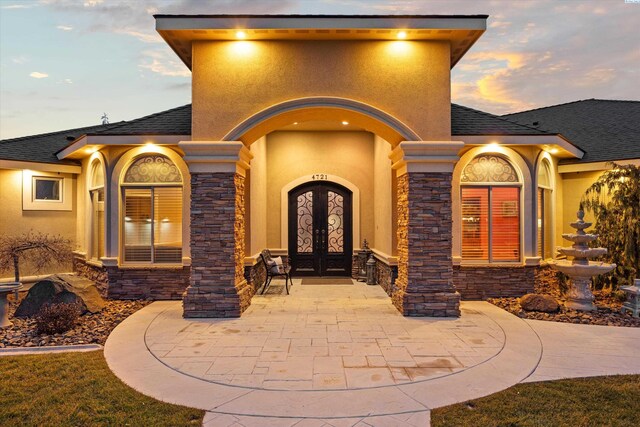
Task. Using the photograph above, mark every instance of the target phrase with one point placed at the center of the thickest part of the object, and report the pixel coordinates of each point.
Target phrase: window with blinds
(152, 223)
(490, 222)
(97, 225)
(544, 211)
(96, 196)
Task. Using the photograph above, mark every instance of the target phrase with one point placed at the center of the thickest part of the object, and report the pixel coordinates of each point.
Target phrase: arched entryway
(320, 223)
(410, 213)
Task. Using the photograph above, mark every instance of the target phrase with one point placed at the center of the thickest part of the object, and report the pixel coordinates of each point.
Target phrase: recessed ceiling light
(344, 122)
(241, 34)
(295, 123)
(402, 34)
(553, 150)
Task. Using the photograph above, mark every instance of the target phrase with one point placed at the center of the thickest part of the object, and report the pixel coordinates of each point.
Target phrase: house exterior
(307, 135)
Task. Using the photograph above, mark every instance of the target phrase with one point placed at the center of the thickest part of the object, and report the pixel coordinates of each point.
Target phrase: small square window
(47, 189)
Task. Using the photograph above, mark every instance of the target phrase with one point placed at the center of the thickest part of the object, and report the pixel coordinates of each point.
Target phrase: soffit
(180, 31)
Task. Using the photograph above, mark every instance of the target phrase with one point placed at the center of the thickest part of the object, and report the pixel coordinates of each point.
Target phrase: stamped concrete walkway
(343, 356)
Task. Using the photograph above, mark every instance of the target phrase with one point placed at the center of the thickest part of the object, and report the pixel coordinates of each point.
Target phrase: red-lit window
(490, 212)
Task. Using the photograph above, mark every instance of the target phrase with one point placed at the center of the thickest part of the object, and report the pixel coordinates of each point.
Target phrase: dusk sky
(63, 63)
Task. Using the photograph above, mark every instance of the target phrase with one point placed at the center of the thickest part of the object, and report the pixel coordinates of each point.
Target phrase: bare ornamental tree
(40, 249)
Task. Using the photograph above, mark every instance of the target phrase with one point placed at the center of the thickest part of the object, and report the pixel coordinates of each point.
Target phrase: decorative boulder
(67, 288)
(538, 302)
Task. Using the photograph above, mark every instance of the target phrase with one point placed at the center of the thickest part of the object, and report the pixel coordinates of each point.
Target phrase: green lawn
(78, 389)
(600, 401)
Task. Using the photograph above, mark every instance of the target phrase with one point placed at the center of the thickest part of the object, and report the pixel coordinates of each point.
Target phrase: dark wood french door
(320, 230)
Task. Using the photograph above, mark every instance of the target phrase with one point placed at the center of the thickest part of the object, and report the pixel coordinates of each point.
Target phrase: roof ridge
(18, 138)
(568, 103)
(139, 119)
(504, 119)
(550, 106)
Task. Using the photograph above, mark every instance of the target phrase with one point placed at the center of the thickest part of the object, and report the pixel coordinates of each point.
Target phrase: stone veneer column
(424, 286)
(217, 287)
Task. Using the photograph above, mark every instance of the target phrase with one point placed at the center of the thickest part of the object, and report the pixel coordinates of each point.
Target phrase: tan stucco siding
(382, 198)
(234, 80)
(258, 188)
(15, 221)
(574, 185)
(295, 155)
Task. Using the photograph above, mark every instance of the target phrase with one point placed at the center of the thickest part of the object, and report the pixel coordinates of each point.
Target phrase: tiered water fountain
(580, 269)
(5, 290)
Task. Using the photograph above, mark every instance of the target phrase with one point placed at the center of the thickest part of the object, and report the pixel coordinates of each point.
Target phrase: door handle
(323, 239)
(317, 239)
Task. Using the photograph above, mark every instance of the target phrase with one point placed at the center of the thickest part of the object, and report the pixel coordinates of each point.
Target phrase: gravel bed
(608, 313)
(89, 329)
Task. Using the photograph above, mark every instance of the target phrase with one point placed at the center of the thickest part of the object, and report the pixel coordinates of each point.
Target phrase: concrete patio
(343, 355)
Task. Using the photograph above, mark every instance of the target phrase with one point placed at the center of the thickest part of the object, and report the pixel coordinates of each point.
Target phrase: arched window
(152, 213)
(490, 201)
(544, 210)
(96, 194)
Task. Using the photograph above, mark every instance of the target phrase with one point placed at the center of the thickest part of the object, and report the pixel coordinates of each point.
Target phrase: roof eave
(225, 26)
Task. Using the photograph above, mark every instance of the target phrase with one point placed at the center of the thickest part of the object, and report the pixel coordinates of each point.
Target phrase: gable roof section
(177, 121)
(42, 148)
(467, 121)
(606, 130)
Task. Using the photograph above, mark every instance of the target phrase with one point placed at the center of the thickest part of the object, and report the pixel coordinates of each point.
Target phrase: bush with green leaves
(614, 201)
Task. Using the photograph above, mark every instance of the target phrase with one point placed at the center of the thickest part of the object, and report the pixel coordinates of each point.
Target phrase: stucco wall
(258, 187)
(382, 198)
(233, 80)
(15, 221)
(574, 185)
(292, 155)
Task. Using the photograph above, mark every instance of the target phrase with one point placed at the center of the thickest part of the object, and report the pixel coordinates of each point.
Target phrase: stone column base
(216, 301)
(433, 304)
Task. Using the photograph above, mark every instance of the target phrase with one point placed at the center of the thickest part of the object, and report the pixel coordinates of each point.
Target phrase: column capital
(216, 156)
(425, 156)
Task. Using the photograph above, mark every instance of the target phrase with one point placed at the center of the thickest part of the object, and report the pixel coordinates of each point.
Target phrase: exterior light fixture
(402, 35)
(241, 35)
(553, 150)
(494, 145)
(344, 122)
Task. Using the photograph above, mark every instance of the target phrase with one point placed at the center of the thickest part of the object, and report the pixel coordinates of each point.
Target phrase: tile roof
(605, 129)
(177, 121)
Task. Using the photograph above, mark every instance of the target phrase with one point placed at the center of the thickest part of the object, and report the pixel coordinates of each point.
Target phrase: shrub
(56, 318)
(614, 201)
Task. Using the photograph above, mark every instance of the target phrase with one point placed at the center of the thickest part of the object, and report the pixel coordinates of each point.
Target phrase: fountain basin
(583, 253)
(5, 290)
(580, 225)
(594, 268)
(580, 238)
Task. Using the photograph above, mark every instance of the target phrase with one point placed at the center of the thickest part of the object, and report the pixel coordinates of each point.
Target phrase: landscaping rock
(61, 288)
(538, 302)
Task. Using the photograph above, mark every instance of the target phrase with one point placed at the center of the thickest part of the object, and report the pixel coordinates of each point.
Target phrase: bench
(273, 271)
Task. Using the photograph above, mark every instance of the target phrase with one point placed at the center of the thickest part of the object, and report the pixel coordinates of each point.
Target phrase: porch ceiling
(180, 31)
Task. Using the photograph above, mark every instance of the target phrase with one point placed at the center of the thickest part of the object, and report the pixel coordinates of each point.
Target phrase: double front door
(320, 230)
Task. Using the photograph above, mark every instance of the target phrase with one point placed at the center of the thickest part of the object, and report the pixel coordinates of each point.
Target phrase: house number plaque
(319, 177)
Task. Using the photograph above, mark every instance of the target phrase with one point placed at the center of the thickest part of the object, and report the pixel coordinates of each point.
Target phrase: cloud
(19, 59)
(17, 6)
(64, 27)
(163, 62)
(38, 75)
